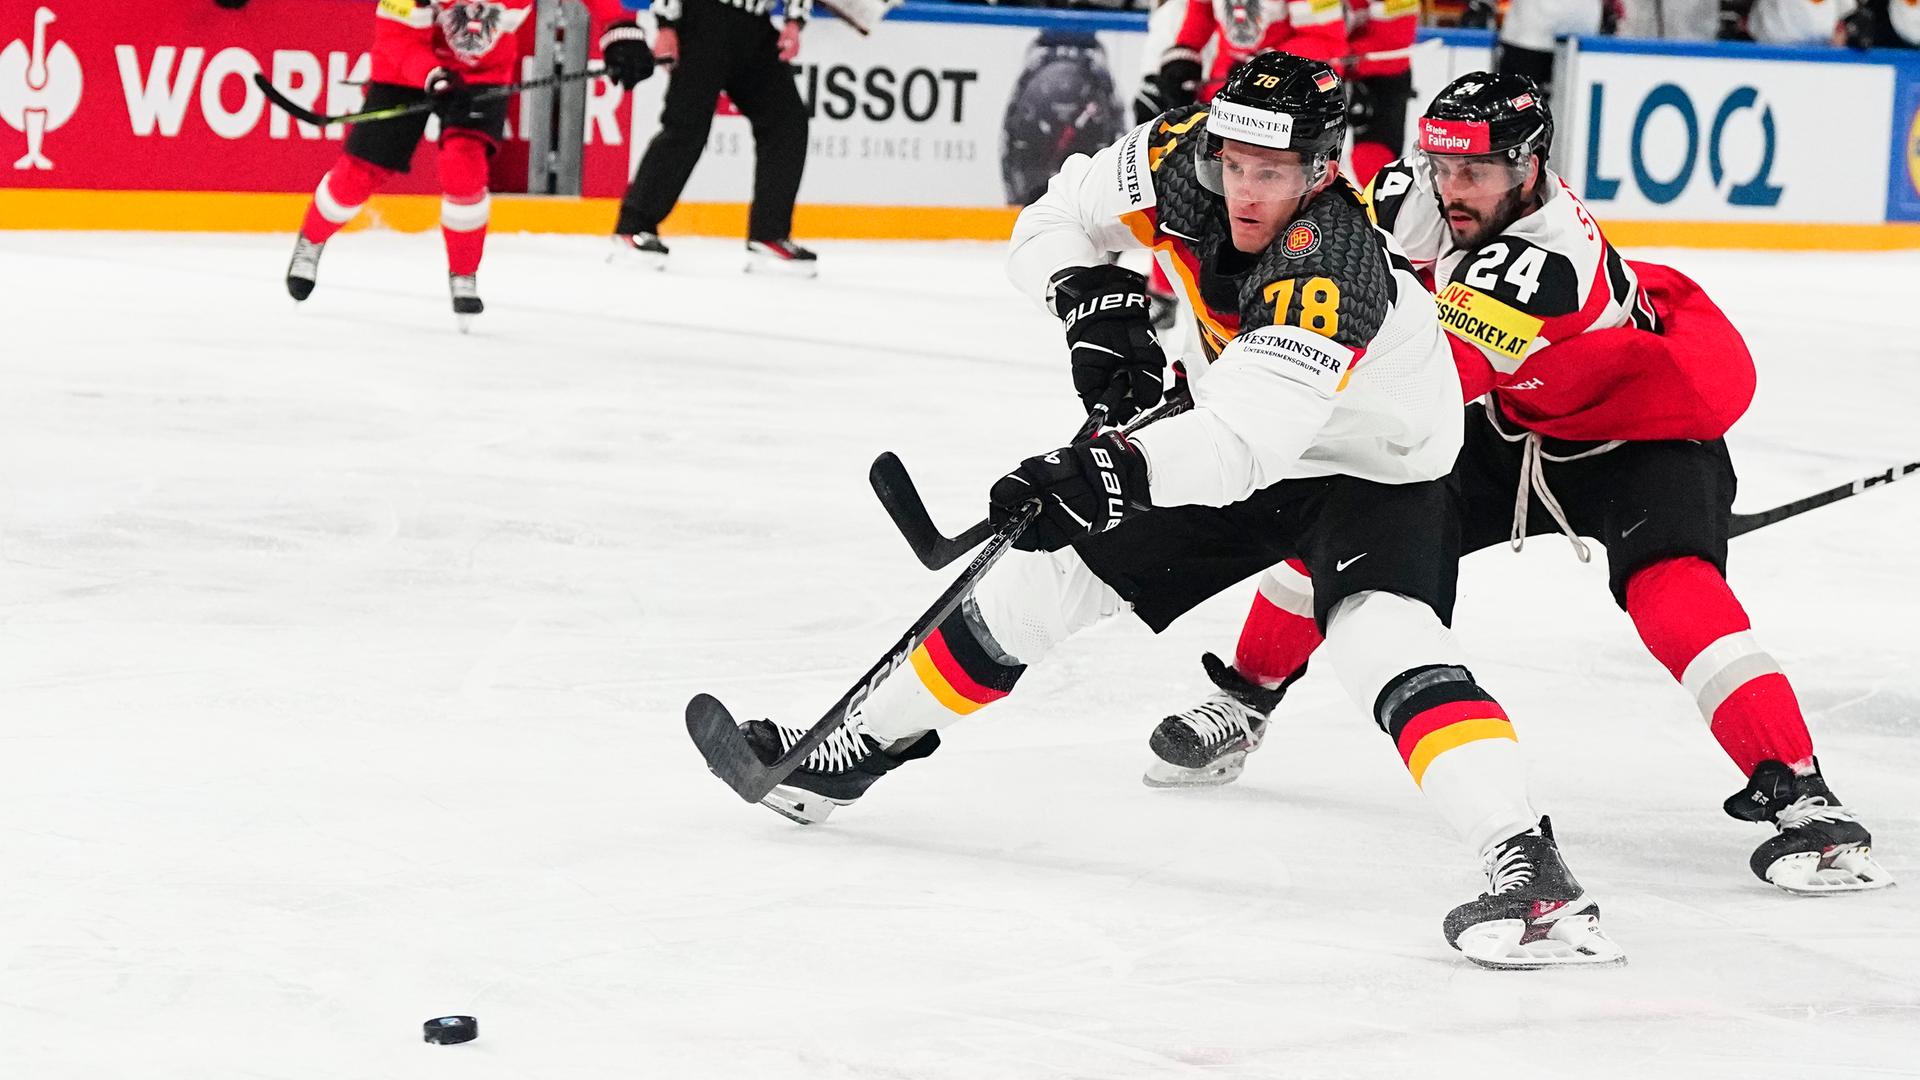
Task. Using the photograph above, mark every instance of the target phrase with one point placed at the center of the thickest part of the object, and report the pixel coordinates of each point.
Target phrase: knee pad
(347, 187)
(1033, 601)
(1375, 637)
(463, 165)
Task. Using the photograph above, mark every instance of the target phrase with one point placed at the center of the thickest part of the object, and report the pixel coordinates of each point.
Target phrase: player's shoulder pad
(1522, 275)
(1388, 192)
(1327, 273)
(1184, 206)
(1175, 127)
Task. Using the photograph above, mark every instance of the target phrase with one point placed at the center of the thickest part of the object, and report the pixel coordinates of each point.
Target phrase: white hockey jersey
(1326, 357)
(1545, 278)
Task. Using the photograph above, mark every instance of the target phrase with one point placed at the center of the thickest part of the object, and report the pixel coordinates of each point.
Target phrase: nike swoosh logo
(1344, 563)
(1181, 235)
(1628, 531)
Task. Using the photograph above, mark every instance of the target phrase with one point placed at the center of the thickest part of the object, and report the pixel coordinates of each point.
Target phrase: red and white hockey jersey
(477, 38)
(1240, 28)
(1381, 26)
(1572, 340)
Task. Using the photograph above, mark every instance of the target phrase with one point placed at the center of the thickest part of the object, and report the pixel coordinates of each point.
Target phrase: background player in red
(1238, 29)
(1607, 388)
(1378, 90)
(443, 49)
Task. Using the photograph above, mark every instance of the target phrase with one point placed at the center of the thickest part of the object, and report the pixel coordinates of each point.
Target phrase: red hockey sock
(340, 195)
(465, 204)
(1693, 625)
(1279, 633)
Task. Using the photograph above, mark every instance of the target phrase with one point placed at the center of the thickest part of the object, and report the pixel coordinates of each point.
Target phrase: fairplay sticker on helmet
(1230, 120)
(1302, 240)
(1455, 136)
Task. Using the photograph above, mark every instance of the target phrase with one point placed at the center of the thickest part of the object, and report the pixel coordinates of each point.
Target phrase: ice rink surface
(344, 660)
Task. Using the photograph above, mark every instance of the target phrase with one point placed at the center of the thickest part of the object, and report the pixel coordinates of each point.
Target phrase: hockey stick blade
(901, 500)
(734, 762)
(728, 755)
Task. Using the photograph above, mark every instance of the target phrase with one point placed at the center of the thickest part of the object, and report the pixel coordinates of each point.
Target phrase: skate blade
(799, 806)
(1848, 868)
(1164, 774)
(465, 322)
(638, 260)
(1573, 941)
(782, 267)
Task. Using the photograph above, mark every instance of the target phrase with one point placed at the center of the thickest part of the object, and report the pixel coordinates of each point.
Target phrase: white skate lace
(1508, 869)
(843, 749)
(464, 286)
(1533, 481)
(1810, 809)
(1219, 718)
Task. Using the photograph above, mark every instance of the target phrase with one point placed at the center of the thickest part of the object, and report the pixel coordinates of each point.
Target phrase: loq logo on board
(1739, 117)
(40, 89)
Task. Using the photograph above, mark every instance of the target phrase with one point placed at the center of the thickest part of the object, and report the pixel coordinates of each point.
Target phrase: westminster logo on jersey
(471, 27)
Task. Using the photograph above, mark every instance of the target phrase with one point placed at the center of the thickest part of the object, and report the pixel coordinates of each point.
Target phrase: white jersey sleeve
(1092, 208)
(1255, 413)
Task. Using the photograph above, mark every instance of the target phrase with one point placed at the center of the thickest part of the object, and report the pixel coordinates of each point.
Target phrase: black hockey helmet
(1283, 102)
(1484, 113)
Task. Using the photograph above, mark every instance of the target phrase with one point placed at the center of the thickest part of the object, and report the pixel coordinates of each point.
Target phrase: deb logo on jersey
(1708, 133)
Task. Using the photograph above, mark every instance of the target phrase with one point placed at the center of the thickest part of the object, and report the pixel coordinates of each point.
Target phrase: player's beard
(1484, 226)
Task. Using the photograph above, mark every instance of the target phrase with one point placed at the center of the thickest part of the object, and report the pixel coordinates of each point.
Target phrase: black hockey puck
(448, 1030)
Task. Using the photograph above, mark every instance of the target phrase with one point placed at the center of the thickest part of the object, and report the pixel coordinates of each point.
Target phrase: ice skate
(304, 271)
(836, 774)
(643, 250)
(781, 257)
(1821, 847)
(1207, 745)
(466, 299)
(1534, 914)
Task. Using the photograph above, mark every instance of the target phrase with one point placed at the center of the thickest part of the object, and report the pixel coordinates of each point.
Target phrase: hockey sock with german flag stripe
(951, 675)
(1459, 746)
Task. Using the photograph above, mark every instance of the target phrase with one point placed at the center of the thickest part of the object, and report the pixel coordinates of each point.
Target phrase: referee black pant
(724, 48)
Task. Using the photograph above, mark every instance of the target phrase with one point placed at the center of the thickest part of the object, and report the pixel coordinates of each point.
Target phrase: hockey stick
(305, 115)
(734, 762)
(1746, 523)
(901, 499)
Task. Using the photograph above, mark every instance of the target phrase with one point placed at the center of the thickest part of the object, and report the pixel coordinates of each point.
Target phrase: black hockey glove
(1180, 78)
(1361, 107)
(446, 84)
(628, 59)
(1116, 356)
(1088, 487)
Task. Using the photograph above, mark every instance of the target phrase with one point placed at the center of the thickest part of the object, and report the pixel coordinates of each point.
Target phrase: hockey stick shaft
(305, 115)
(1746, 523)
(722, 744)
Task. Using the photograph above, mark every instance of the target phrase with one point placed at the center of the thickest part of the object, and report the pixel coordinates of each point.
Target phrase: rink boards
(936, 126)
